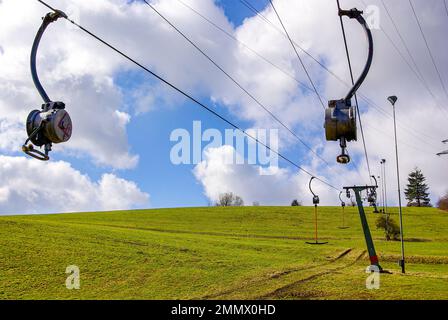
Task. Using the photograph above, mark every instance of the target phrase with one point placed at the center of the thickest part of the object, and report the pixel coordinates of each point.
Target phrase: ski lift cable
(187, 95)
(237, 83)
(305, 86)
(368, 101)
(297, 54)
(402, 142)
(417, 69)
(353, 83)
(415, 130)
(397, 30)
(429, 49)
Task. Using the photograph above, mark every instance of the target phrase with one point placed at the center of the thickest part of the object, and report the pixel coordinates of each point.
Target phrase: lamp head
(392, 99)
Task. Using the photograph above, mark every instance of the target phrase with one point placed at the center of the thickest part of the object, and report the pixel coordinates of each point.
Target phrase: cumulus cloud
(267, 186)
(28, 186)
(218, 176)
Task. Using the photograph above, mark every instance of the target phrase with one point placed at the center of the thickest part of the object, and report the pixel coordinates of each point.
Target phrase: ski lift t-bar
(51, 124)
(340, 116)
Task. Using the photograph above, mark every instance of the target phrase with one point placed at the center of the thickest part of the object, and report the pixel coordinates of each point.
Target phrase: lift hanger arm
(309, 186)
(356, 14)
(49, 18)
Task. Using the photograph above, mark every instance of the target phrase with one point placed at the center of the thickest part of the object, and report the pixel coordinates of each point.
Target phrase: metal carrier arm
(309, 185)
(49, 18)
(342, 201)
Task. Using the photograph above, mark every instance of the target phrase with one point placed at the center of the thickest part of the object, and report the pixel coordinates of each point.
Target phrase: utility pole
(393, 100)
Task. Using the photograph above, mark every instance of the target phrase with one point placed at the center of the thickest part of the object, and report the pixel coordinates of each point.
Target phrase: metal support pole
(365, 227)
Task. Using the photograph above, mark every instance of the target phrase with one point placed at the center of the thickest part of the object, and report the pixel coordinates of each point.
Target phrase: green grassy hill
(218, 253)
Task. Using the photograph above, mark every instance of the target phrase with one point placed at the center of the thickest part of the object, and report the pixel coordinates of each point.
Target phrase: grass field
(218, 253)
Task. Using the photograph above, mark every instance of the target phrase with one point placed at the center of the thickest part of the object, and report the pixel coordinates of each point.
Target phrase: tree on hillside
(443, 202)
(295, 203)
(229, 199)
(416, 191)
(391, 229)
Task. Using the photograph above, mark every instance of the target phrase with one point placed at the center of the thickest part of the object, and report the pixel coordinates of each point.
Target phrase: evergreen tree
(417, 190)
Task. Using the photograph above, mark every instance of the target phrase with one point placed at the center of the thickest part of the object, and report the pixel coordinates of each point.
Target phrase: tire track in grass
(275, 276)
(282, 291)
(206, 233)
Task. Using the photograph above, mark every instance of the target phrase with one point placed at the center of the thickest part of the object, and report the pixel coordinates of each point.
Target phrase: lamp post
(393, 100)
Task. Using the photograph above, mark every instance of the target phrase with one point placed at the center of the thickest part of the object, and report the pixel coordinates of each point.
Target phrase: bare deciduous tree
(443, 202)
(228, 199)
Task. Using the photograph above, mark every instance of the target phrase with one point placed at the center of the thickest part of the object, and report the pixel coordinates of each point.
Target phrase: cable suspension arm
(356, 14)
(49, 18)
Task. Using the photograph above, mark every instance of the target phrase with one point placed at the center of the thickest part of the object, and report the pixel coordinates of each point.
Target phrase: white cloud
(251, 182)
(28, 186)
